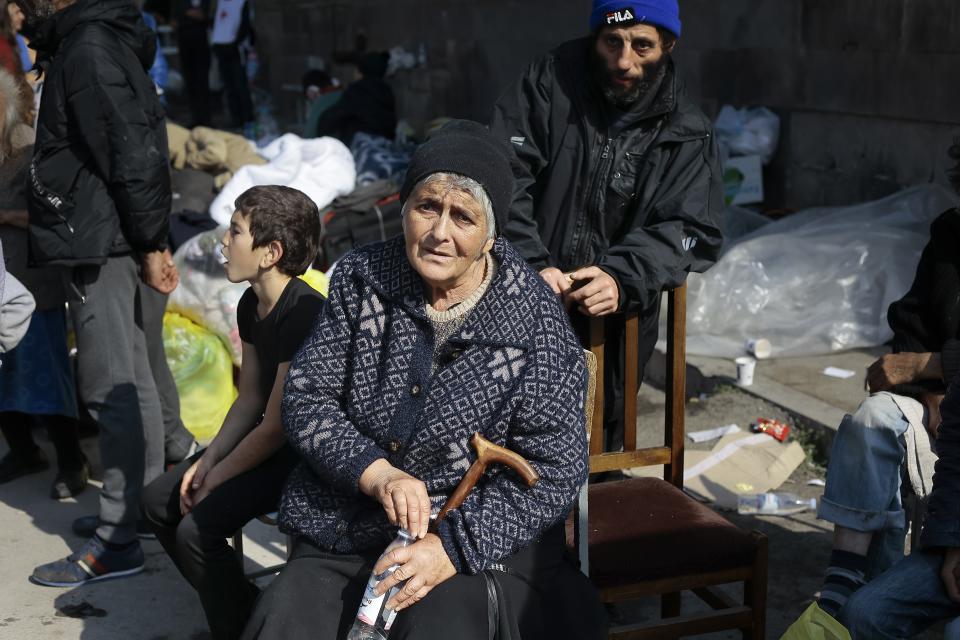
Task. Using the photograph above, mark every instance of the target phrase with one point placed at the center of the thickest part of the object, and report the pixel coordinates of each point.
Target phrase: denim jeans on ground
(902, 602)
(864, 479)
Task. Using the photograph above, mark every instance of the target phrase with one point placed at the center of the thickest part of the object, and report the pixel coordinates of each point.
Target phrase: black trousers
(234, 84)
(197, 542)
(541, 596)
(195, 66)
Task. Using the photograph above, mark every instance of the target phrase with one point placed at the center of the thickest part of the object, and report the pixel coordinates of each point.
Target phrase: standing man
(99, 203)
(231, 27)
(193, 45)
(619, 190)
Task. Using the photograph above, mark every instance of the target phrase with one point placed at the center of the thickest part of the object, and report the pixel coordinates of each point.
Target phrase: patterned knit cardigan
(361, 388)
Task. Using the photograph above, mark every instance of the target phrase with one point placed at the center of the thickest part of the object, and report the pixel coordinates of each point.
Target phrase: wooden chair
(645, 536)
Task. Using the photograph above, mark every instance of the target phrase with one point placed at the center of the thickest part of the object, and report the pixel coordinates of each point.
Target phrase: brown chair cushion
(646, 529)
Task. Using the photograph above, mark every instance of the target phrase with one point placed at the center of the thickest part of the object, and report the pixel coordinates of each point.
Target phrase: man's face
(628, 59)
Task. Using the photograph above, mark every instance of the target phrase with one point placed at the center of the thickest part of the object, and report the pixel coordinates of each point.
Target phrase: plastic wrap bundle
(815, 282)
(322, 168)
(203, 370)
(206, 297)
(748, 132)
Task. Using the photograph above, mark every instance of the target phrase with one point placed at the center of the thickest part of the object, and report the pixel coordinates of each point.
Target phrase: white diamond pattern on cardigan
(362, 388)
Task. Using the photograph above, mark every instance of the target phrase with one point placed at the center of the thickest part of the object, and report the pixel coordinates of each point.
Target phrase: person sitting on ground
(426, 339)
(862, 496)
(36, 379)
(194, 507)
(367, 105)
(321, 92)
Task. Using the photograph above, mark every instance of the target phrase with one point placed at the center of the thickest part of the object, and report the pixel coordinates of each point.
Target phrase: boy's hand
(192, 482)
(159, 271)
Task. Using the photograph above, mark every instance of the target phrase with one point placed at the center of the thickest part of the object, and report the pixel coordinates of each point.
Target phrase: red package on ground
(773, 428)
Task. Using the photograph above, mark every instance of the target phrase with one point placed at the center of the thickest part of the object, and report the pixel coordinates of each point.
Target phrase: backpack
(367, 214)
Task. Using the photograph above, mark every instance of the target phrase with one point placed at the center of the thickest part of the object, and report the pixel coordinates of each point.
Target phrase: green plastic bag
(203, 370)
(816, 624)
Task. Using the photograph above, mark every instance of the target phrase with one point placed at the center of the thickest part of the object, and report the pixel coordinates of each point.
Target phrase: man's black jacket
(100, 182)
(927, 318)
(645, 205)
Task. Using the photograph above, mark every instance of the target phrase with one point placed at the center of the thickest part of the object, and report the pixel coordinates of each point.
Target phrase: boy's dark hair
(287, 216)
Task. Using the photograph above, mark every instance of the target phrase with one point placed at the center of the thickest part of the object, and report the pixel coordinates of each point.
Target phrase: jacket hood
(120, 16)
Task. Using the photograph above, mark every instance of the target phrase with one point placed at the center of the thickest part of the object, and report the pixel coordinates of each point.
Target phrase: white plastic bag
(815, 282)
(748, 132)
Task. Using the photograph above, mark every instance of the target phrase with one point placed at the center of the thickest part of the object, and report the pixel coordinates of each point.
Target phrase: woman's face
(16, 16)
(446, 235)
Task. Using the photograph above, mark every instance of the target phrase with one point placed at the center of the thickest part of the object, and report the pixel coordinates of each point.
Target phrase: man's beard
(623, 99)
(36, 12)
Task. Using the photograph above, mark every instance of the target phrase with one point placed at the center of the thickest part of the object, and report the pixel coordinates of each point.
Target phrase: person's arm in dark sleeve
(907, 316)
(683, 232)
(123, 144)
(314, 417)
(521, 119)
(942, 525)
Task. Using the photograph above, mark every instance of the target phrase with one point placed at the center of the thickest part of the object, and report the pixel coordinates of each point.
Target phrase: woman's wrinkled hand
(403, 497)
(422, 566)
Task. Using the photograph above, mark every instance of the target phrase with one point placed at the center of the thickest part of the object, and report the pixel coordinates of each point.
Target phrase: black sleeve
(246, 310)
(126, 149)
(521, 118)
(942, 525)
(683, 231)
(297, 323)
(924, 318)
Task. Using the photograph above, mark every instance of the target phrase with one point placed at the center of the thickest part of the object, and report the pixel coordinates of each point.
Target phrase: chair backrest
(670, 454)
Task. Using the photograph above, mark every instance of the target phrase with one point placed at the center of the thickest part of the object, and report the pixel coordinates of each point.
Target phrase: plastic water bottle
(774, 504)
(373, 618)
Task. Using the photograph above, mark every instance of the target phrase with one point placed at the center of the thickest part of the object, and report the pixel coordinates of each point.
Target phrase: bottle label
(371, 604)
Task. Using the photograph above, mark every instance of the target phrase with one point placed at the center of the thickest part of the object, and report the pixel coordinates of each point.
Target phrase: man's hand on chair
(593, 291)
(932, 403)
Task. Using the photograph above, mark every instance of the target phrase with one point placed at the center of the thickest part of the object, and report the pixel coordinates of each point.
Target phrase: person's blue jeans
(864, 478)
(905, 600)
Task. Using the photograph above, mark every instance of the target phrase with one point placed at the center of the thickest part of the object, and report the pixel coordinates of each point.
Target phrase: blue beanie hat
(660, 13)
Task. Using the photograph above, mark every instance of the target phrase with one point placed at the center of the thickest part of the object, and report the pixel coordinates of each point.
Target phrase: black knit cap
(469, 149)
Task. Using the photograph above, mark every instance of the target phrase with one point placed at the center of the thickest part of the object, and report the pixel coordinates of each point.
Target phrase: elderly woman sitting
(426, 339)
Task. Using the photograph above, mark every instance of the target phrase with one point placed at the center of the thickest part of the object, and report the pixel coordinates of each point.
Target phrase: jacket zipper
(598, 182)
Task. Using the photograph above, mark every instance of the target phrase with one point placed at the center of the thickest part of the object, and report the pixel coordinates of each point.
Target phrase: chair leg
(755, 591)
(670, 605)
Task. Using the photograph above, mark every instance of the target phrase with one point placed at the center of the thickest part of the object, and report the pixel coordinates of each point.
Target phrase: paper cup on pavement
(760, 348)
(745, 367)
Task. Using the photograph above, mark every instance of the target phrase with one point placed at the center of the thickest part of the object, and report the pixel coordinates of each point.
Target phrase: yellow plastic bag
(203, 371)
(816, 624)
(317, 280)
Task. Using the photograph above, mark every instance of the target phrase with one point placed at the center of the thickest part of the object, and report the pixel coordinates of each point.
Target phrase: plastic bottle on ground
(373, 620)
(774, 504)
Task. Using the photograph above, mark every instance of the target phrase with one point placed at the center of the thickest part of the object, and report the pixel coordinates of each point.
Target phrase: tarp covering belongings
(815, 282)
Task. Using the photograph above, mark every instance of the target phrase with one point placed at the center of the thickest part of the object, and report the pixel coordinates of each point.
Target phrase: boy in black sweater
(194, 507)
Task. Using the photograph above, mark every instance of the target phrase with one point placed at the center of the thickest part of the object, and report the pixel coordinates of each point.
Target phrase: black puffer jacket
(643, 199)
(99, 181)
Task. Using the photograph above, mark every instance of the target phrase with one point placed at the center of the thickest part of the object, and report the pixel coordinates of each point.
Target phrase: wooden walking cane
(487, 453)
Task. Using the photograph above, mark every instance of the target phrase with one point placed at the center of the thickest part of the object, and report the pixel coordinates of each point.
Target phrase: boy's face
(243, 261)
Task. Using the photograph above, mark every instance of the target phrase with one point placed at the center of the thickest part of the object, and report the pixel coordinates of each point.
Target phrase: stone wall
(864, 87)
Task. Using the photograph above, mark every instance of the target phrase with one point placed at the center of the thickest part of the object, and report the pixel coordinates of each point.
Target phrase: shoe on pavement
(70, 482)
(15, 465)
(86, 527)
(91, 563)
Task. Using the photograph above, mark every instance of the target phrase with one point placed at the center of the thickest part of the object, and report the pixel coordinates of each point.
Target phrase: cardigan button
(341, 526)
(415, 390)
(394, 446)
